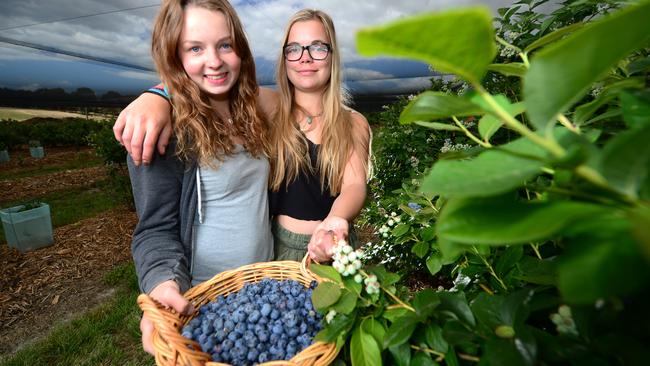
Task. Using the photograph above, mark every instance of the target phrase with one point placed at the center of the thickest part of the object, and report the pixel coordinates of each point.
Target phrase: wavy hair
(200, 131)
(290, 152)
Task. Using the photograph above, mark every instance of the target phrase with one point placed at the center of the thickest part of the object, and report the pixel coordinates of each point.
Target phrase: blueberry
(228, 325)
(253, 355)
(254, 316)
(263, 357)
(292, 332)
(266, 309)
(263, 335)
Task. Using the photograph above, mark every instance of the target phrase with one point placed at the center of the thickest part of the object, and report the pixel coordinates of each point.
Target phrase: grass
(83, 159)
(75, 204)
(107, 335)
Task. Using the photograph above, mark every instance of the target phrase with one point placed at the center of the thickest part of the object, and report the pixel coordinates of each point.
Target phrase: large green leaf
(456, 303)
(438, 126)
(375, 329)
(346, 303)
(325, 295)
(501, 221)
(460, 42)
(434, 338)
(422, 359)
(326, 272)
(640, 220)
(489, 124)
(560, 74)
(400, 331)
(624, 160)
(364, 350)
(425, 302)
(493, 172)
(522, 351)
(401, 354)
(636, 108)
(433, 105)
(600, 268)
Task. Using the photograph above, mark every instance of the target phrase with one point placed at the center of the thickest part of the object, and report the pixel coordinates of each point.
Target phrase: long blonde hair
(290, 151)
(200, 131)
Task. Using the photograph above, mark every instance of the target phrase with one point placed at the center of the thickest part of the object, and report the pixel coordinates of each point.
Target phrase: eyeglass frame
(303, 48)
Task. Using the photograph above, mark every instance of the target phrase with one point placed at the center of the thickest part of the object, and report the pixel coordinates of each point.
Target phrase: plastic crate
(37, 152)
(27, 230)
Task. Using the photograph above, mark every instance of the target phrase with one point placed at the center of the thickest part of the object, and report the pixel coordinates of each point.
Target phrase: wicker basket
(171, 348)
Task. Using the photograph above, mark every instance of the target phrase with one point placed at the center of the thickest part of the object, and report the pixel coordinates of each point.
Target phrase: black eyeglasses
(317, 51)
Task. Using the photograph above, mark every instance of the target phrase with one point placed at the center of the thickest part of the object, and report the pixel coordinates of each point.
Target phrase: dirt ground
(21, 114)
(44, 287)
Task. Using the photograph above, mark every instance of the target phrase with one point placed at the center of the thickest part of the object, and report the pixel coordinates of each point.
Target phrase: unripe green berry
(504, 331)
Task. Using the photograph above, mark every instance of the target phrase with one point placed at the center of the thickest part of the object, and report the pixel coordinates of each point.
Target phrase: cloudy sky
(104, 44)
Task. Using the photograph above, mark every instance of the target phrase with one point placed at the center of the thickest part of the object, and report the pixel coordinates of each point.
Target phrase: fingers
(321, 245)
(168, 294)
(149, 144)
(118, 127)
(163, 140)
(136, 143)
(146, 328)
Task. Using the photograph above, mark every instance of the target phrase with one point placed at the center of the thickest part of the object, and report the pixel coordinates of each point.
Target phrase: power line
(73, 54)
(79, 17)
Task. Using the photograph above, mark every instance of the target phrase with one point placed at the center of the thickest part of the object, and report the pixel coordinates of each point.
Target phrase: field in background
(20, 114)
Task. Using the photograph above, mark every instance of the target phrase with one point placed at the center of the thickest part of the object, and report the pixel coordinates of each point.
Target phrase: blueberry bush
(540, 225)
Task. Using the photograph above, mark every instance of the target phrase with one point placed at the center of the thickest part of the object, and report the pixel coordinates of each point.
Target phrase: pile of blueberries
(264, 321)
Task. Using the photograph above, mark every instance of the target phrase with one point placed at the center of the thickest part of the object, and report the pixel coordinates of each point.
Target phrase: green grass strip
(72, 205)
(85, 159)
(107, 335)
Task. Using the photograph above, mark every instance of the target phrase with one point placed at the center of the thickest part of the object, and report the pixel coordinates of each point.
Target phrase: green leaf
(401, 229)
(585, 111)
(640, 219)
(457, 304)
(401, 354)
(394, 313)
(325, 295)
(636, 108)
(364, 351)
(460, 42)
(428, 233)
(624, 160)
(508, 259)
(537, 271)
(553, 36)
(558, 75)
(609, 114)
(455, 333)
(509, 69)
(438, 126)
(346, 303)
(352, 285)
(434, 105)
(375, 329)
(400, 331)
(326, 272)
(422, 359)
(492, 172)
(434, 263)
(601, 268)
(502, 221)
(425, 302)
(507, 352)
(489, 124)
(495, 310)
(639, 66)
(420, 249)
(434, 338)
(338, 328)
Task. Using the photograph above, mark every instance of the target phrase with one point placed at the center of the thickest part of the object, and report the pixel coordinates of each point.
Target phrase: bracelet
(159, 91)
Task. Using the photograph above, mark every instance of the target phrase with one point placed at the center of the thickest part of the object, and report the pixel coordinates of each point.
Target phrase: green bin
(27, 230)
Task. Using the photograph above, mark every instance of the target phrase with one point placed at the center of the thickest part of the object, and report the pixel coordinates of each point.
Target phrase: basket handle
(307, 260)
(165, 336)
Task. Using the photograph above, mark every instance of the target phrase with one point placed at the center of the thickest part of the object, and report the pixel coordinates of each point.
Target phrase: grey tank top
(232, 226)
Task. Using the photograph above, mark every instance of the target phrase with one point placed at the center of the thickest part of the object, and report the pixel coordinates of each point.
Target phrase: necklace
(309, 118)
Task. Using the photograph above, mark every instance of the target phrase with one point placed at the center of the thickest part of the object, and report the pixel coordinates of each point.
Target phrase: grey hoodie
(165, 195)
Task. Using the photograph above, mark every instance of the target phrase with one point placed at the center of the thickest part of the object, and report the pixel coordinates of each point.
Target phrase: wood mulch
(54, 283)
(20, 159)
(36, 186)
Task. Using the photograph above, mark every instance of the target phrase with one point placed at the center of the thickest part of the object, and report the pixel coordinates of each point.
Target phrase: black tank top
(303, 199)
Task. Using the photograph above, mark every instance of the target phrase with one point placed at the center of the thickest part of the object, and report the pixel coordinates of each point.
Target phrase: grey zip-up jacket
(165, 194)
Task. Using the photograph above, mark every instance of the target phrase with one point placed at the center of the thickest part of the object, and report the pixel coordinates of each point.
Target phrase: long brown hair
(200, 132)
(290, 154)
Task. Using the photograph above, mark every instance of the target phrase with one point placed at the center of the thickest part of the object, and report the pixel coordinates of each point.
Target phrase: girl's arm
(350, 201)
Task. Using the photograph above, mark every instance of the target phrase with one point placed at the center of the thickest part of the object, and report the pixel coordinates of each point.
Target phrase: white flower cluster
(346, 260)
(449, 146)
(393, 219)
(595, 92)
(507, 52)
(563, 321)
(330, 316)
(372, 285)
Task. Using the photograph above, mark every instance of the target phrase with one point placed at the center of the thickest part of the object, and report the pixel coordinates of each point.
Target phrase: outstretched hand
(168, 294)
(325, 237)
(143, 126)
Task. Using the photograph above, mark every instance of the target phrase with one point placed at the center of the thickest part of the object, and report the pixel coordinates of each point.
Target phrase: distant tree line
(56, 98)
